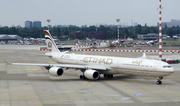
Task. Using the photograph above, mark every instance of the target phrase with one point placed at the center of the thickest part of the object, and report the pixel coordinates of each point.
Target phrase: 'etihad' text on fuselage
(98, 60)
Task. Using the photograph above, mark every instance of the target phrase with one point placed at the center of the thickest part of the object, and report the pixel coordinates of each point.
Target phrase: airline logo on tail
(50, 42)
(47, 35)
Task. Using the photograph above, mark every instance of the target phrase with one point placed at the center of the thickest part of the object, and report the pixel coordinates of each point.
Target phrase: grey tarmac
(33, 86)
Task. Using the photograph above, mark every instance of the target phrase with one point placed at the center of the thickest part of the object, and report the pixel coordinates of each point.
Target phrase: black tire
(81, 77)
(159, 82)
(105, 76)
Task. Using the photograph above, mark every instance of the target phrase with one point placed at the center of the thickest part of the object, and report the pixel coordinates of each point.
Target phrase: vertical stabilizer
(50, 42)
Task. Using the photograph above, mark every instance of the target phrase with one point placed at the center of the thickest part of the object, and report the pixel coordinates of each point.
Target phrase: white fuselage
(118, 65)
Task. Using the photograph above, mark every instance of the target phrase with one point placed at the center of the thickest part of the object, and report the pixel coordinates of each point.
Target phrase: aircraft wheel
(159, 82)
(81, 77)
(108, 76)
(105, 76)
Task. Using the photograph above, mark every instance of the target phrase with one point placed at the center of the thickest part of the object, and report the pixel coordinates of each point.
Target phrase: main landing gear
(82, 77)
(108, 76)
(159, 82)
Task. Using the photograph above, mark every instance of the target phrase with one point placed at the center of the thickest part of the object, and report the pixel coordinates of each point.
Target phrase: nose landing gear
(159, 82)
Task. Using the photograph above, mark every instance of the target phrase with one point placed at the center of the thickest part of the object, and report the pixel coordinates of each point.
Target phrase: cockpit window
(166, 66)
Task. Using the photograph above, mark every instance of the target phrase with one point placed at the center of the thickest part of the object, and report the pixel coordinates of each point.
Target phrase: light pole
(160, 32)
(118, 28)
(48, 20)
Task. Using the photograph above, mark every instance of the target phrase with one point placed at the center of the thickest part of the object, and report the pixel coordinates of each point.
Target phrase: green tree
(138, 29)
(58, 33)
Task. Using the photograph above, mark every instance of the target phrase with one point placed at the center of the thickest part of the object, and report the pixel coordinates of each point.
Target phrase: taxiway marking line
(155, 91)
(33, 97)
(67, 98)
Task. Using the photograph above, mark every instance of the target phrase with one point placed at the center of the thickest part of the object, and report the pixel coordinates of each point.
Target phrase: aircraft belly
(108, 72)
(144, 73)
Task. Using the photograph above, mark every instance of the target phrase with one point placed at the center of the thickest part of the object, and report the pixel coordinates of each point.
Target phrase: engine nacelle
(91, 74)
(56, 71)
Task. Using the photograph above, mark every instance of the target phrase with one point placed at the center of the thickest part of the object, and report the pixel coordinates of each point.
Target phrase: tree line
(132, 32)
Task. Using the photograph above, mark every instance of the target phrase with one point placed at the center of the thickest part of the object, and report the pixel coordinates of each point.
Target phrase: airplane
(92, 65)
(117, 41)
(123, 40)
(94, 44)
(152, 41)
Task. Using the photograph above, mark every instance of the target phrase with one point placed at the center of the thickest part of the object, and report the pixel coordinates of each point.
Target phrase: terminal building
(9, 38)
(91, 35)
(149, 36)
(153, 36)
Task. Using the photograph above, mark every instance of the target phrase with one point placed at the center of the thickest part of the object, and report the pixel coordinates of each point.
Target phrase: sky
(87, 12)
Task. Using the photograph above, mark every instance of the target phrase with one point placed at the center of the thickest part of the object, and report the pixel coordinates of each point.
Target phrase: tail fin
(50, 42)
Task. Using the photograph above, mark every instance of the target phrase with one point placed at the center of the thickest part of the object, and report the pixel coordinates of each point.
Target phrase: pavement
(33, 86)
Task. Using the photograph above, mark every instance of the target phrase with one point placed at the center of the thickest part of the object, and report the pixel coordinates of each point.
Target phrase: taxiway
(33, 86)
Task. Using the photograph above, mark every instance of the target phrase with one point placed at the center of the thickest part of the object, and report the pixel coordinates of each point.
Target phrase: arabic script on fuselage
(137, 62)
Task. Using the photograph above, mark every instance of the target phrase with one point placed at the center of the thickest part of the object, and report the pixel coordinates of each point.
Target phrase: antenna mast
(118, 28)
(48, 20)
(160, 32)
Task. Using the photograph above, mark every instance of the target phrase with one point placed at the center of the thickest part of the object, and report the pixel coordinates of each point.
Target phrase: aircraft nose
(171, 70)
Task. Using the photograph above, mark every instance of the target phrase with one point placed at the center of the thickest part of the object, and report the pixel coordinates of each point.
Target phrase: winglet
(7, 61)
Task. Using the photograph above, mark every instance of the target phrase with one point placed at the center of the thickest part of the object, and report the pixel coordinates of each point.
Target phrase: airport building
(9, 38)
(170, 24)
(91, 35)
(28, 24)
(149, 36)
(37, 24)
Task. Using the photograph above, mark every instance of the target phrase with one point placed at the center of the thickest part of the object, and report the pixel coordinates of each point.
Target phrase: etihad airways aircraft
(92, 66)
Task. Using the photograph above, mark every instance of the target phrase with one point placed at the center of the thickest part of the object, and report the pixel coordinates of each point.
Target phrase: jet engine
(91, 74)
(56, 71)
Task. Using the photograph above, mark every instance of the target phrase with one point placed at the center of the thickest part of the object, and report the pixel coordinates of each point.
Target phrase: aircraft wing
(63, 66)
